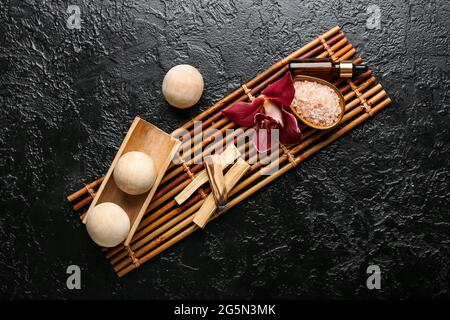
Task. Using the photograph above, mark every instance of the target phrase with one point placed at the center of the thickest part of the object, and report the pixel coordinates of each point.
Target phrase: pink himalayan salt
(317, 103)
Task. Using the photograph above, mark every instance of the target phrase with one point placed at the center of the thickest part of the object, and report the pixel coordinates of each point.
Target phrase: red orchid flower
(269, 111)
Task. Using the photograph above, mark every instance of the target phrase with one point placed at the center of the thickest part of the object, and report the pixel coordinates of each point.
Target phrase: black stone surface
(380, 195)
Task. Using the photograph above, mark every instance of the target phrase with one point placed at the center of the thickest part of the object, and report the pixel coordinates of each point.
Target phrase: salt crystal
(317, 103)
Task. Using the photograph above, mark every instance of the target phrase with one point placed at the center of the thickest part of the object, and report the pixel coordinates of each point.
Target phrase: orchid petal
(281, 91)
(290, 134)
(274, 112)
(243, 113)
(262, 140)
(259, 118)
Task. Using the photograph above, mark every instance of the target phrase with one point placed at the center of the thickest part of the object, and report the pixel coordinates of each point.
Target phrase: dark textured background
(378, 195)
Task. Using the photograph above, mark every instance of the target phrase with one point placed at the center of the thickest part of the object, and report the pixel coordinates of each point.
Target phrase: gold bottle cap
(346, 69)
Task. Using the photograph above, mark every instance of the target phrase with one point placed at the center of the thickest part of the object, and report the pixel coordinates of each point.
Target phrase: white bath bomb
(107, 224)
(135, 173)
(182, 86)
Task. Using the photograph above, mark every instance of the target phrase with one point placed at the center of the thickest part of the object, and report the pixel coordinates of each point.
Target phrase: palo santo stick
(227, 157)
(239, 134)
(163, 189)
(157, 214)
(216, 179)
(202, 144)
(198, 181)
(209, 206)
(258, 186)
(167, 191)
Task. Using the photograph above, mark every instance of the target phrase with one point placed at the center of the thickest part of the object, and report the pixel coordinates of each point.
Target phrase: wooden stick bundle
(209, 205)
(230, 154)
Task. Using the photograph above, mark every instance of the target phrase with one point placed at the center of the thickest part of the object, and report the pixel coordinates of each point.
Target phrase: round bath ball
(182, 86)
(107, 224)
(135, 173)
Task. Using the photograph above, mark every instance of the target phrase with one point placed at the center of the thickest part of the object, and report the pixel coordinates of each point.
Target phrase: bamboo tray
(144, 137)
(165, 222)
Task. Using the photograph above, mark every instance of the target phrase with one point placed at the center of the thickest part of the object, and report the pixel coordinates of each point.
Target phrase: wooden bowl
(336, 90)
